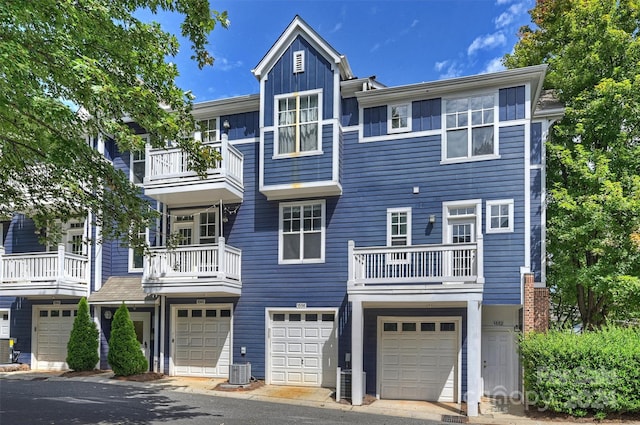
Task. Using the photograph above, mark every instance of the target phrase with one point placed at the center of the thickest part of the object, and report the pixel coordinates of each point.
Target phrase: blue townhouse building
(397, 232)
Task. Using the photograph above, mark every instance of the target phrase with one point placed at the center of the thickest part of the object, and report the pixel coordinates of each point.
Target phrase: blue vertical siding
(537, 145)
(21, 236)
(243, 125)
(536, 224)
(21, 326)
(349, 112)
(426, 115)
(374, 121)
(318, 74)
(511, 103)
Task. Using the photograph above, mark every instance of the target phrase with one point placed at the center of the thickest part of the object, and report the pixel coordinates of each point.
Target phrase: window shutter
(298, 61)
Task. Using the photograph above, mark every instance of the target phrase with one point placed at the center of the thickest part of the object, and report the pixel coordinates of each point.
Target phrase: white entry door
(499, 362)
(52, 327)
(201, 341)
(303, 348)
(5, 327)
(142, 326)
(418, 358)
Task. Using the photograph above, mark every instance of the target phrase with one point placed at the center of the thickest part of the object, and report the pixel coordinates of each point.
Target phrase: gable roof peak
(298, 27)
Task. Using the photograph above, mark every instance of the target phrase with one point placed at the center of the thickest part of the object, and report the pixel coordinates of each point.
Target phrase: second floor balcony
(415, 269)
(169, 180)
(39, 274)
(214, 269)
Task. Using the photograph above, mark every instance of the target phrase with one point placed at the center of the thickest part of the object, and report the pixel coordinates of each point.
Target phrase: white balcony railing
(194, 262)
(390, 265)
(172, 163)
(56, 266)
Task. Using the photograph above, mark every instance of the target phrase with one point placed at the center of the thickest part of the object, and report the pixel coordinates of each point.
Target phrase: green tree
(58, 55)
(82, 348)
(593, 153)
(125, 356)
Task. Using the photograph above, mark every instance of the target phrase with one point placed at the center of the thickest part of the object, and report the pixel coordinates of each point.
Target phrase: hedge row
(579, 374)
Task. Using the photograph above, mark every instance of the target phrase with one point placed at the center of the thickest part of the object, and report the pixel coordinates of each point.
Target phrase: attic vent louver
(298, 61)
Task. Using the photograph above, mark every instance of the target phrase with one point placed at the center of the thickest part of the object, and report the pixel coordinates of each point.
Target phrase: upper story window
(195, 228)
(470, 129)
(500, 216)
(298, 61)
(298, 118)
(136, 256)
(74, 238)
(398, 226)
(302, 232)
(137, 166)
(399, 118)
(209, 129)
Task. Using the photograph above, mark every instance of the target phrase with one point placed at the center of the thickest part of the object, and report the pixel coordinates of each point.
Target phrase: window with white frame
(399, 118)
(5, 323)
(298, 120)
(398, 226)
(136, 255)
(462, 221)
(137, 167)
(302, 232)
(195, 228)
(398, 233)
(470, 129)
(500, 216)
(208, 129)
(74, 238)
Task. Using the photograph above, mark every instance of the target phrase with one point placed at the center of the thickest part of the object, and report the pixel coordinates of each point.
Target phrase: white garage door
(419, 359)
(52, 329)
(303, 349)
(202, 341)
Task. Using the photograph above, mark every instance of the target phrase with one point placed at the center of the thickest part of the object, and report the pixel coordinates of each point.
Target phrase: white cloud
(448, 69)
(494, 65)
(414, 23)
(500, 2)
(224, 64)
(336, 28)
(375, 47)
(506, 18)
(488, 41)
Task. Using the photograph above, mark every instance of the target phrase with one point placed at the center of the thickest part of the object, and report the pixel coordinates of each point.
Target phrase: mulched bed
(141, 377)
(14, 367)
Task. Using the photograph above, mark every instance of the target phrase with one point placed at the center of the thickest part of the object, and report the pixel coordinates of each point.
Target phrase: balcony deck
(168, 179)
(195, 269)
(58, 274)
(415, 269)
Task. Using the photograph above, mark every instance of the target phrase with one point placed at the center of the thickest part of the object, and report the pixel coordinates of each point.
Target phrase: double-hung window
(208, 129)
(136, 255)
(302, 232)
(137, 166)
(470, 128)
(398, 233)
(399, 118)
(298, 122)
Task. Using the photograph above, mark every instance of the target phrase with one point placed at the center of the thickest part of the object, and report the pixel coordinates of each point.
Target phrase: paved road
(75, 402)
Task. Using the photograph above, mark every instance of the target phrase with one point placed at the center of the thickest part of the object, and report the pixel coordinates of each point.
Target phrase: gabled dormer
(300, 115)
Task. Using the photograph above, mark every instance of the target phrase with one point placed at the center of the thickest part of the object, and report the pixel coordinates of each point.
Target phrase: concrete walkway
(491, 411)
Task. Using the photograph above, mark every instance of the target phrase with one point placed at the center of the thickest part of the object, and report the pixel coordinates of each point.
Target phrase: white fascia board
(533, 74)
(227, 106)
(299, 27)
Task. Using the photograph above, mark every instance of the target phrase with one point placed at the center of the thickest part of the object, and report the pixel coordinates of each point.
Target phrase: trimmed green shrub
(589, 373)
(125, 356)
(82, 348)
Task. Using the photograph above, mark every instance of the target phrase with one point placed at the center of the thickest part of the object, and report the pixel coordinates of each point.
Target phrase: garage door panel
(202, 343)
(302, 349)
(418, 365)
(53, 327)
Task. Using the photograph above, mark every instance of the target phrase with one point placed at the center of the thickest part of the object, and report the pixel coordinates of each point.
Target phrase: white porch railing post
(147, 163)
(350, 269)
(224, 153)
(480, 260)
(61, 271)
(222, 260)
(1, 263)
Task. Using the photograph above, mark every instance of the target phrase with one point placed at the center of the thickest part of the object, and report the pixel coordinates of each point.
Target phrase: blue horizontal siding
(22, 236)
(300, 169)
(536, 143)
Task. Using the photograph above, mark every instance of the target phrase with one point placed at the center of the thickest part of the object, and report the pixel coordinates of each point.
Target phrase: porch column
(156, 337)
(357, 350)
(162, 333)
(1, 262)
(474, 363)
(97, 314)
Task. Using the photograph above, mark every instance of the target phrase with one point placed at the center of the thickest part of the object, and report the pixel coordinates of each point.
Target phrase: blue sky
(400, 42)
